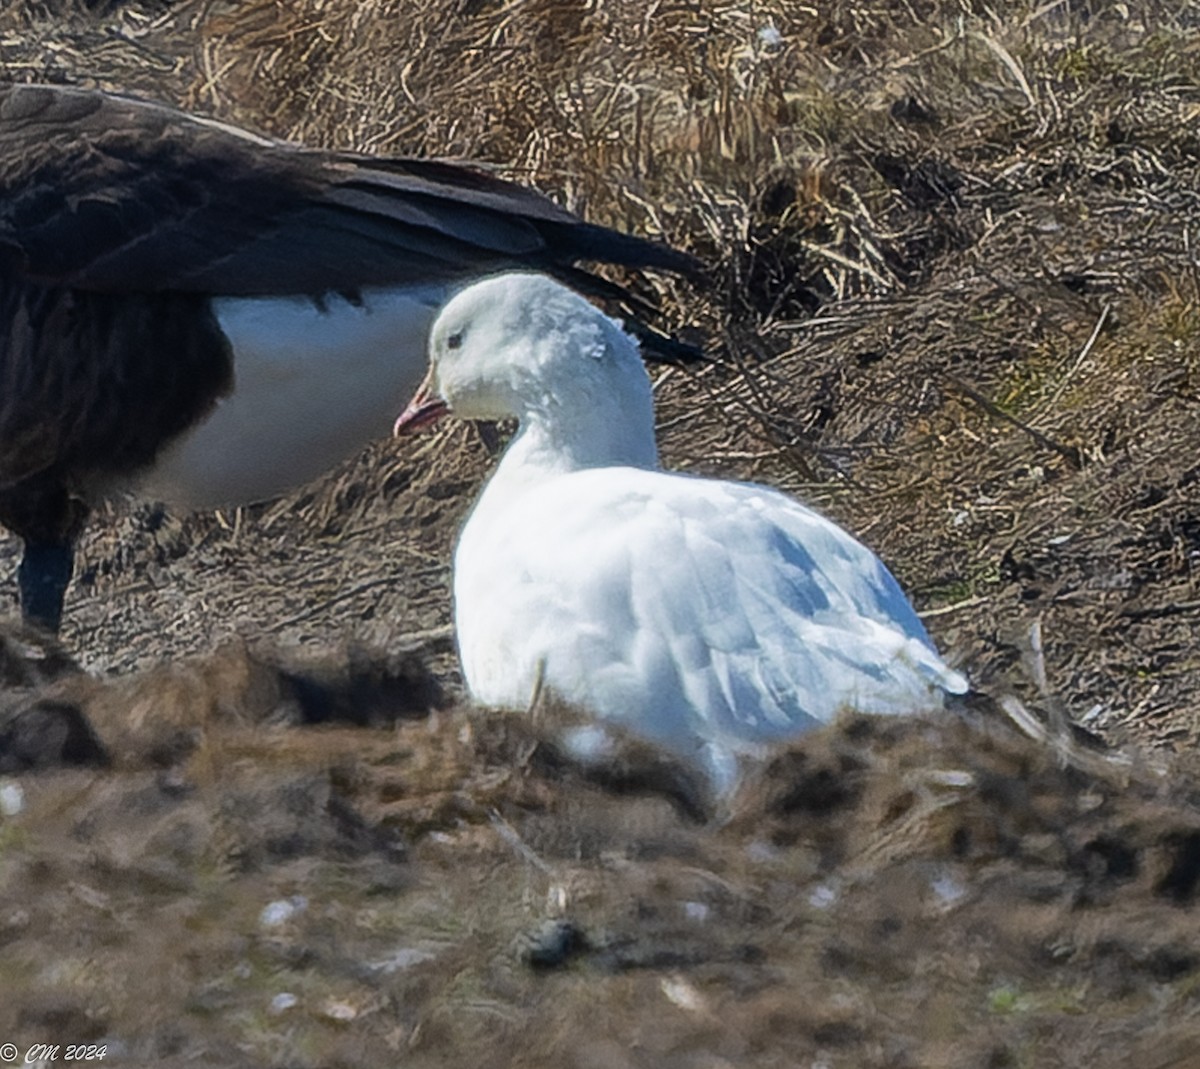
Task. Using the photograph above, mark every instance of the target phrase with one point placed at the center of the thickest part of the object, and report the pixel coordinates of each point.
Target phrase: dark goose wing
(106, 193)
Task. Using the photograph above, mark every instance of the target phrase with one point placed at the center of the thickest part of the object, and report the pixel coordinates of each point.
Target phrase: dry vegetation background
(956, 304)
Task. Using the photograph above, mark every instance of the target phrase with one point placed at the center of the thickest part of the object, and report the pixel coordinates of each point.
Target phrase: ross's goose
(213, 317)
(709, 617)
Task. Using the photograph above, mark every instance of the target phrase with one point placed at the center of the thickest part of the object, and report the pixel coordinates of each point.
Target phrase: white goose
(212, 317)
(706, 616)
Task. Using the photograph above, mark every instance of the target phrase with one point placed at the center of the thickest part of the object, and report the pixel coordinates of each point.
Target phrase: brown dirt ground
(956, 304)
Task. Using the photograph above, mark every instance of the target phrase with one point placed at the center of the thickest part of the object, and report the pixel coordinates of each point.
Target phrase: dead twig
(1078, 361)
(1069, 453)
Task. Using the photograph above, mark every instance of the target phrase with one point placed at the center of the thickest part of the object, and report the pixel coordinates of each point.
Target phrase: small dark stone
(554, 944)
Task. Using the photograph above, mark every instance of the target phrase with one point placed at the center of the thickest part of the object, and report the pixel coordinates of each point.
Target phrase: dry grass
(956, 304)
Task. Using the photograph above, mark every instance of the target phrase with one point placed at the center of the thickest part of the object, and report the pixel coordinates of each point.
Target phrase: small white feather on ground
(710, 617)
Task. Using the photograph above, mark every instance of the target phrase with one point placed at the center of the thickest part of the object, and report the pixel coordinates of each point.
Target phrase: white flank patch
(314, 383)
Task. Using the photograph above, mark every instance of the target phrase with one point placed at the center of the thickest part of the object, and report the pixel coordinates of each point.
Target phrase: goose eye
(455, 340)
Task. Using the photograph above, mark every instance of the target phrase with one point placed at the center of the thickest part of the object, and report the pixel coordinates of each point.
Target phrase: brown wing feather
(108, 193)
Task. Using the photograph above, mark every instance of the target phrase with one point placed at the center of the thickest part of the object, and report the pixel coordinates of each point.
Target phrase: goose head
(523, 346)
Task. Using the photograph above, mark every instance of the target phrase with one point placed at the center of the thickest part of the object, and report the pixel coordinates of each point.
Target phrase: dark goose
(210, 317)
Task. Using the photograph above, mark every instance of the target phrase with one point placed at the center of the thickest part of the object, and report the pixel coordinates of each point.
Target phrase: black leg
(42, 579)
(41, 511)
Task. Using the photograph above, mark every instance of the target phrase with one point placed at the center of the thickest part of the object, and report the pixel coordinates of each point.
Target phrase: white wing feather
(704, 614)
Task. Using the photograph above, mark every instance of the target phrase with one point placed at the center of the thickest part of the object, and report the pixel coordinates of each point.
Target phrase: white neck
(547, 444)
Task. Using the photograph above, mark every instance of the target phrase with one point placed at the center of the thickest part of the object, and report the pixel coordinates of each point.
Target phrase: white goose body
(710, 617)
(313, 382)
